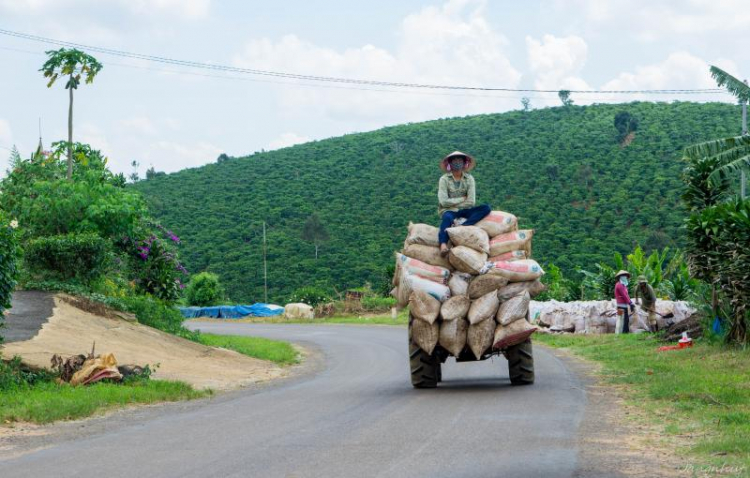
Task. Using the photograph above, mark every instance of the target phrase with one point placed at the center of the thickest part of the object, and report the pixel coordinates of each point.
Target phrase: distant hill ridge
(561, 170)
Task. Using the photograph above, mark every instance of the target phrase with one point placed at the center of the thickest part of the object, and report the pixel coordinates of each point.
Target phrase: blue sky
(172, 118)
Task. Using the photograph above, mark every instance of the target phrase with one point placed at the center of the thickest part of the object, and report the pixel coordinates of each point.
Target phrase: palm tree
(74, 64)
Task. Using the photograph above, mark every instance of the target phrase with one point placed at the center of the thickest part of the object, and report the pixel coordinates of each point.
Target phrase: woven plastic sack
(424, 306)
(513, 309)
(533, 287)
(411, 282)
(518, 271)
(425, 334)
(470, 236)
(465, 259)
(481, 285)
(455, 308)
(512, 334)
(429, 254)
(423, 269)
(459, 283)
(498, 222)
(424, 234)
(509, 256)
(483, 308)
(511, 241)
(101, 367)
(479, 337)
(453, 335)
(299, 310)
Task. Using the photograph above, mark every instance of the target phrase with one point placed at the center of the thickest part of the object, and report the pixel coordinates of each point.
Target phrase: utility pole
(743, 179)
(265, 266)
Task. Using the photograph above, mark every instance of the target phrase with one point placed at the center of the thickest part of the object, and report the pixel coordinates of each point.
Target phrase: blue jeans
(473, 215)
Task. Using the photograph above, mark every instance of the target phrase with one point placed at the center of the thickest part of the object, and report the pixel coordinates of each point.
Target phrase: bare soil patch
(72, 330)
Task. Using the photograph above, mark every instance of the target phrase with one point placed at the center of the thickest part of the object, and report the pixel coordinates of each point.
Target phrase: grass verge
(276, 351)
(374, 319)
(700, 395)
(47, 401)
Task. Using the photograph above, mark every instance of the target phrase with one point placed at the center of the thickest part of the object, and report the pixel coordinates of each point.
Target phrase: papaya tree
(75, 65)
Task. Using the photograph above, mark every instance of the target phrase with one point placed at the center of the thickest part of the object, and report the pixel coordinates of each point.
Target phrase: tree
(526, 102)
(564, 96)
(625, 123)
(222, 157)
(15, 157)
(314, 231)
(152, 173)
(204, 289)
(583, 175)
(134, 175)
(74, 64)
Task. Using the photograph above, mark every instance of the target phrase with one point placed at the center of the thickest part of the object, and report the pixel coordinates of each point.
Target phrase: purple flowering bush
(153, 262)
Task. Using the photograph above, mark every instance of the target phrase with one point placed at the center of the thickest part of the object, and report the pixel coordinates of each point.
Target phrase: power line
(553, 96)
(331, 79)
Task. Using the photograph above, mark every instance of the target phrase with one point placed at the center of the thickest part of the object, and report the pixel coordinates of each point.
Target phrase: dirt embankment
(72, 330)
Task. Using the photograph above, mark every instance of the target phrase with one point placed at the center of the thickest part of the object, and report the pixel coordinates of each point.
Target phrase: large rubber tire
(425, 368)
(521, 363)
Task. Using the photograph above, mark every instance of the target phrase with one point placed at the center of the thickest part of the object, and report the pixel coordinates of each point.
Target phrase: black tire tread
(521, 363)
(425, 369)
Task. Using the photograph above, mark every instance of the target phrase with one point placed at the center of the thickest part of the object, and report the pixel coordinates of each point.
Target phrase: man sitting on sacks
(457, 196)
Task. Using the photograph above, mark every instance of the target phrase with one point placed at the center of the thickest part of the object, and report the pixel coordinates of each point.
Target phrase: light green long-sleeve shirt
(454, 195)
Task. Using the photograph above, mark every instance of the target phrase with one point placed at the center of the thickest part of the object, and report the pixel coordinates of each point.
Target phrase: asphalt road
(358, 417)
(29, 312)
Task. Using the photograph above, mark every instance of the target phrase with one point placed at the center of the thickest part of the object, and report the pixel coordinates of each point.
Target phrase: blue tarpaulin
(232, 311)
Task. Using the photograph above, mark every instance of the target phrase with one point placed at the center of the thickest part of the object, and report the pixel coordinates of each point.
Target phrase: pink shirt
(621, 294)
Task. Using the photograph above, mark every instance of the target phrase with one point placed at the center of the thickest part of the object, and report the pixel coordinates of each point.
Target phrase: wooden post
(265, 266)
(743, 178)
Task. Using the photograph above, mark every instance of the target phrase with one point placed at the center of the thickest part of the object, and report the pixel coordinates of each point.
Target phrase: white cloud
(6, 135)
(171, 156)
(680, 70)
(285, 140)
(555, 61)
(451, 44)
(192, 9)
(189, 9)
(139, 125)
(93, 135)
(33, 6)
(654, 20)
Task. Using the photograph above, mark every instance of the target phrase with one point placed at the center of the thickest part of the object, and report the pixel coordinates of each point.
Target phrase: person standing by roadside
(457, 195)
(624, 304)
(648, 301)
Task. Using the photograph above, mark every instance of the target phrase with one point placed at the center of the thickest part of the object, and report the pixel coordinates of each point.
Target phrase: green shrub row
(68, 256)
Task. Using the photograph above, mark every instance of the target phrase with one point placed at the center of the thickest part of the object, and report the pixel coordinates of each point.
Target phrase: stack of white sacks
(477, 297)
